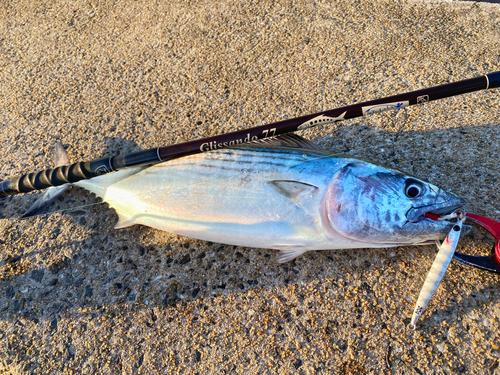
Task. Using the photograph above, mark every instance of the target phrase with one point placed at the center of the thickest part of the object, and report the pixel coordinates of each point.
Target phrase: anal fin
(124, 221)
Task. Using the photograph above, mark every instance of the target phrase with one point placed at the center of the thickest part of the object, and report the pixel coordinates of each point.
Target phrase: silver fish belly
(283, 198)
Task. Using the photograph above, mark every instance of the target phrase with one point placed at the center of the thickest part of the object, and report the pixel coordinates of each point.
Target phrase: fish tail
(50, 194)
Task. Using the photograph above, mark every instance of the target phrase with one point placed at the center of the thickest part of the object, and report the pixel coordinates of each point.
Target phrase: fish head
(378, 205)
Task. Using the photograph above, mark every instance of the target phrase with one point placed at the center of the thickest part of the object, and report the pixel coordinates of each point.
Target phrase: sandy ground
(78, 297)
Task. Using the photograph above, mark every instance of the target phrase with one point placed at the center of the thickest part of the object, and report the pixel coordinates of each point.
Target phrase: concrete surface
(78, 297)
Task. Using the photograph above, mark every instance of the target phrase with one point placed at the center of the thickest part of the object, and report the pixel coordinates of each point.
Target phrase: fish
(282, 193)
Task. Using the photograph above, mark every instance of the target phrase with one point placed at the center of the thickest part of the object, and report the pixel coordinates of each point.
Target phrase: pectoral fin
(288, 253)
(290, 188)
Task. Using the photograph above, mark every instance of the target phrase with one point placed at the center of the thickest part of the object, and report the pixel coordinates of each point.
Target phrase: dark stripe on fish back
(239, 159)
(258, 155)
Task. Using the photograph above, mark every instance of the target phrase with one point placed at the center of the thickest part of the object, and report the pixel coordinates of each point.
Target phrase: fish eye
(413, 188)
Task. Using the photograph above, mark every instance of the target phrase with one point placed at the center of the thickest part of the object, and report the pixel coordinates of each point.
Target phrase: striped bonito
(283, 194)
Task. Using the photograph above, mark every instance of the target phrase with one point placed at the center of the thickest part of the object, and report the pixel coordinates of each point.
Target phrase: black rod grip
(55, 177)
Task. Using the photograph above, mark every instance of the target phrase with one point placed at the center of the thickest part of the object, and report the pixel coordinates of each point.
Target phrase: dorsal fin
(180, 139)
(60, 156)
(284, 140)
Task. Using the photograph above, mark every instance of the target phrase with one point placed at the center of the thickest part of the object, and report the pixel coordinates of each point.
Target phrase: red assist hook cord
(86, 170)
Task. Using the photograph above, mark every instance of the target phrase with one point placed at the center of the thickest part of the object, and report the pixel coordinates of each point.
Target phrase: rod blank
(86, 170)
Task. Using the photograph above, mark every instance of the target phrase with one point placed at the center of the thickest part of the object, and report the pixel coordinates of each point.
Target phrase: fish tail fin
(102, 186)
(51, 193)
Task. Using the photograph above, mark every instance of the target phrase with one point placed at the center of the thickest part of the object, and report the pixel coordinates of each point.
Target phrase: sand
(78, 297)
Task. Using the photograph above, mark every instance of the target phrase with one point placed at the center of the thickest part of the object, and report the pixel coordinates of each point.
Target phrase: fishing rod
(86, 170)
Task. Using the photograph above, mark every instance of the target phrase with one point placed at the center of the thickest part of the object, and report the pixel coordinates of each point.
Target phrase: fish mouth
(436, 211)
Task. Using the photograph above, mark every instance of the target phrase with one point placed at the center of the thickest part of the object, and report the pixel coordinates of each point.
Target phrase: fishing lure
(446, 252)
(437, 271)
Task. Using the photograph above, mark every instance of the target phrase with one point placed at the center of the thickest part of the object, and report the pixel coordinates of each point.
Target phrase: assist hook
(489, 263)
